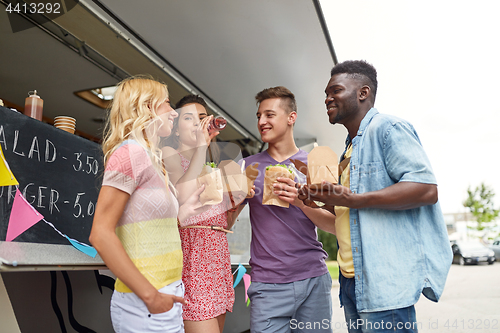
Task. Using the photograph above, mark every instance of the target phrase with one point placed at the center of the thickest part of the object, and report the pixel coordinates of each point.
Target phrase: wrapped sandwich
(270, 177)
(211, 177)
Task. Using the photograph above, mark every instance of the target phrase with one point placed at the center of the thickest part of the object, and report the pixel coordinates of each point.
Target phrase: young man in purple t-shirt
(291, 285)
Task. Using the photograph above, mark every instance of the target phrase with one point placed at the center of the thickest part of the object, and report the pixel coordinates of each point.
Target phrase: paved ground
(470, 303)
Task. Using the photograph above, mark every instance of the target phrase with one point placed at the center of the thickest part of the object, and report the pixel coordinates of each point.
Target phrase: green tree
(329, 242)
(480, 203)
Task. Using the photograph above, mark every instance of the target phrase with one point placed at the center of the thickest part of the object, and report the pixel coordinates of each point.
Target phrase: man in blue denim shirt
(387, 196)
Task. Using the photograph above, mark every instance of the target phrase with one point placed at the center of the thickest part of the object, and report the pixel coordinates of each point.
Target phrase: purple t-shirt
(285, 246)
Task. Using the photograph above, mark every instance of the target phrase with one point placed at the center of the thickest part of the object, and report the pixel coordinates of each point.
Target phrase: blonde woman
(135, 223)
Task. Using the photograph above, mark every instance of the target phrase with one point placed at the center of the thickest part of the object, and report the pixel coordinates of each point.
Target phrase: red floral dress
(206, 272)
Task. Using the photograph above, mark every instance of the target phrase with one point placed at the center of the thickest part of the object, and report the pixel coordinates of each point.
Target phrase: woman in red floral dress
(207, 266)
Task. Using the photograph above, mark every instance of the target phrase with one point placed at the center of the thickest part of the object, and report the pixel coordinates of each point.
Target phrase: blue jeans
(402, 320)
(301, 306)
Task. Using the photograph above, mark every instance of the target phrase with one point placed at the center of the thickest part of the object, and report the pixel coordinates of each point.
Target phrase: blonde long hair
(132, 111)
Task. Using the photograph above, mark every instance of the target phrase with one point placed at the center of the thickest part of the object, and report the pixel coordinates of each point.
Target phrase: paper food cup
(322, 164)
(67, 129)
(65, 118)
(65, 123)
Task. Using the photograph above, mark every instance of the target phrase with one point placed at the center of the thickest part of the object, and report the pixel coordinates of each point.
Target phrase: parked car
(471, 253)
(496, 248)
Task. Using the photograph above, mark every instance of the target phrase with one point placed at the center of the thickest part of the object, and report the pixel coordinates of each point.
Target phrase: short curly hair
(358, 69)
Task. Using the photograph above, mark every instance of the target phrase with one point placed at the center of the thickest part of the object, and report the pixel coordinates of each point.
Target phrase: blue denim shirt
(397, 254)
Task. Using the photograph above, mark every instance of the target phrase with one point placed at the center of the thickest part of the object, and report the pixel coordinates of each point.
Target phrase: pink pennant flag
(246, 281)
(22, 217)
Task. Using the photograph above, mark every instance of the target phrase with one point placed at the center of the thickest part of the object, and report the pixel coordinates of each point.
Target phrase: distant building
(461, 227)
(452, 219)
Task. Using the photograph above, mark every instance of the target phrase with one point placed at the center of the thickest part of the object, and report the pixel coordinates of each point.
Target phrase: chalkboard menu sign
(59, 174)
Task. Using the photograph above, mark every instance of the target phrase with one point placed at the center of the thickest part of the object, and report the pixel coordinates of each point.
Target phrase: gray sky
(438, 67)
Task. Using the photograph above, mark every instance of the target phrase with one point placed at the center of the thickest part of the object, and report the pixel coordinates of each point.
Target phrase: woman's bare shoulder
(171, 158)
(169, 152)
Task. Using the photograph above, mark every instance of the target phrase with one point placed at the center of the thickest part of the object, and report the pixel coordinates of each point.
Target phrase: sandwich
(210, 176)
(270, 177)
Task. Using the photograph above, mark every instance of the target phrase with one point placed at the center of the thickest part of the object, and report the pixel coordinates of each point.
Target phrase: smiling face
(167, 116)
(274, 122)
(189, 120)
(342, 98)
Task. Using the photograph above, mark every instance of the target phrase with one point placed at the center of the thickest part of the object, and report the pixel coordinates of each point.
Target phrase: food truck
(73, 53)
